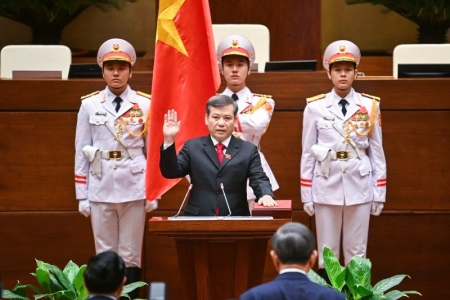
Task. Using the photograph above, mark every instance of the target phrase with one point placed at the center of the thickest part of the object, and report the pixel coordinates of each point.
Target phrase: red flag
(185, 76)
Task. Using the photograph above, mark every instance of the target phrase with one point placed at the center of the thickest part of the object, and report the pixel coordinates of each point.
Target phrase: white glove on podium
(151, 205)
(84, 208)
(377, 207)
(308, 207)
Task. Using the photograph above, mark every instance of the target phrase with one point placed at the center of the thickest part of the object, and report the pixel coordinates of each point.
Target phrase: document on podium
(221, 218)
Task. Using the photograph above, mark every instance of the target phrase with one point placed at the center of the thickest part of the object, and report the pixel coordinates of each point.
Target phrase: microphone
(226, 200)
(187, 193)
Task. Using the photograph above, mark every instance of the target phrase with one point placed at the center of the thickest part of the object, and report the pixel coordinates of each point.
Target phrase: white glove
(151, 205)
(308, 207)
(84, 208)
(377, 207)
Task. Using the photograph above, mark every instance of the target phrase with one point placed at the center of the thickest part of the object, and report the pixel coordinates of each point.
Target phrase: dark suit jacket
(99, 297)
(292, 286)
(198, 158)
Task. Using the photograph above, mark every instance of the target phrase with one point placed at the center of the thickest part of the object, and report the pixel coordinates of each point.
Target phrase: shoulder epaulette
(261, 95)
(144, 94)
(89, 95)
(372, 97)
(317, 97)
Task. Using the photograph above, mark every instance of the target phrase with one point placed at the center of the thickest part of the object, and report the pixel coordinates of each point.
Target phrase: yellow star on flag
(167, 32)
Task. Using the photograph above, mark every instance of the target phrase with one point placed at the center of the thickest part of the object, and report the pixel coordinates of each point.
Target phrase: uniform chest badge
(134, 112)
(361, 118)
(247, 110)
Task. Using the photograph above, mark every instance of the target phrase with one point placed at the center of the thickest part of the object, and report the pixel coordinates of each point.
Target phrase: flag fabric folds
(185, 76)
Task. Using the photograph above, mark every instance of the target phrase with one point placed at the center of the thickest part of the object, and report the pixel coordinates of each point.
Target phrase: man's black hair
(104, 273)
(293, 243)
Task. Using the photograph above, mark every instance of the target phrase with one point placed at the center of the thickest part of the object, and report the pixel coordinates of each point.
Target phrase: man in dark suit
(293, 255)
(218, 164)
(105, 276)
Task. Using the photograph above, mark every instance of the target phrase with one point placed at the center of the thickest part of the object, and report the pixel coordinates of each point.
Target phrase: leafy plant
(56, 284)
(47, 19)
(354, 280)
(432, 16)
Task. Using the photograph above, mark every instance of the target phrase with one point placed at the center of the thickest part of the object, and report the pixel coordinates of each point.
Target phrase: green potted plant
(432, 17)
(47, 19)
(354, 280)
(56, 284)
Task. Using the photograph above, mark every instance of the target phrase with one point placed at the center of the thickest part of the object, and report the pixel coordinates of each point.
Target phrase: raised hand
(171, 126)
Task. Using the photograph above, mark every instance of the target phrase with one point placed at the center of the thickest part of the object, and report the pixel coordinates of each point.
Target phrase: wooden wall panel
(37, 161)
(53, 237)
(289, 89)
(415, 245)
(294, 25)
(417, 173)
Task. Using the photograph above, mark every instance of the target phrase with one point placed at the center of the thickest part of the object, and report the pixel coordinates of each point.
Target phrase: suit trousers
(352, 222)
(119, 227)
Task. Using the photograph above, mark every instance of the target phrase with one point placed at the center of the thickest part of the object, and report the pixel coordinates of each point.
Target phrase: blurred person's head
(293, 246)
(105, 274)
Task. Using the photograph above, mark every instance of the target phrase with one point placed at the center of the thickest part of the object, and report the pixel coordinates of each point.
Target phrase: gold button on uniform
(344, 171)
(115, 168)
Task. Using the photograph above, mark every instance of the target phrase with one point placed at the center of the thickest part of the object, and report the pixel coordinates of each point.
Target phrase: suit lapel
(231, 151)
(210, 150)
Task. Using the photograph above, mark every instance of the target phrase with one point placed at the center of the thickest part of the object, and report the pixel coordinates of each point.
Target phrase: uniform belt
(345, 154)
(119, 154)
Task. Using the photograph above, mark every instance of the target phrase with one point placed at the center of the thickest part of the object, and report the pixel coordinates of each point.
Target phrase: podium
(219, 258)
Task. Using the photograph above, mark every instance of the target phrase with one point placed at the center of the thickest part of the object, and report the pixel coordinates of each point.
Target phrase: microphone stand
(187, 193)
(226, 200)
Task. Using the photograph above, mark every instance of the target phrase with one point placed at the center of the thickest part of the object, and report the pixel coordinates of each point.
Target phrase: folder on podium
(282, 211)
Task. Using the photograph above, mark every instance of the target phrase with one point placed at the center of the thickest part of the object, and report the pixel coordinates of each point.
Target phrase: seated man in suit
(105, 276)
(218, 164)
(293, 255)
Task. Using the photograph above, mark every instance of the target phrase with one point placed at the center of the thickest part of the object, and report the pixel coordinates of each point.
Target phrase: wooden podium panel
(218, 259)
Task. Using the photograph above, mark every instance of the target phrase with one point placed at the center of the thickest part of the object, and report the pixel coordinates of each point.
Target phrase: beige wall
(366, 25)
(135, 23)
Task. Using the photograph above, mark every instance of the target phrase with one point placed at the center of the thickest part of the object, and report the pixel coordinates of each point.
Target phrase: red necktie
(220, 157)
(220, 154)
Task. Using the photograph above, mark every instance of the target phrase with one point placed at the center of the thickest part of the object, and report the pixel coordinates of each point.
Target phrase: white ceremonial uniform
(342, 190)
(252, 124)
(114, 187)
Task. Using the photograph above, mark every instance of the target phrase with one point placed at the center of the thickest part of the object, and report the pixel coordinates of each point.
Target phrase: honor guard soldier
(236, 55)
(343, 168)
(110, 159)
